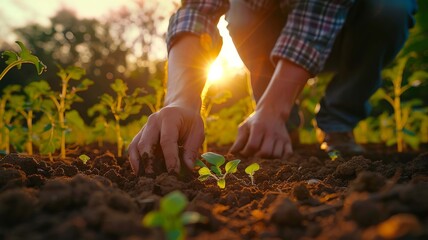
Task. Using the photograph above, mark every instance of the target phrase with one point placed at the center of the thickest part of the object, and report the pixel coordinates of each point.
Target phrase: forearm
(285, 86)
(187, 64)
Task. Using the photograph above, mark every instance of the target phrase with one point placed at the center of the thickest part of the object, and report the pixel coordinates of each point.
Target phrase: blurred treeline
(128, 44)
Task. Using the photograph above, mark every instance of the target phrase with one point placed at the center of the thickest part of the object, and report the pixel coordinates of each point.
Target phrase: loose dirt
(381, 195)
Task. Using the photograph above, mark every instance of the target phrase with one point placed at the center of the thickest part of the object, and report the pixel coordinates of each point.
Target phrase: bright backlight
(215, 72)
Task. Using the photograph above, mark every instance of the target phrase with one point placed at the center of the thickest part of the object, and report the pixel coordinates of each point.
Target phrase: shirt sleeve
(310, 31)
(199, 17)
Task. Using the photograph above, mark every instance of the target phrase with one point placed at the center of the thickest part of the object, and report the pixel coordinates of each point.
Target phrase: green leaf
(85, 158)
(119, 87)
(252, 168)
(334, 155)
(214, 158)
(409, 132)
(47, 127)
(26, 55)
(232, 166)
(11, 57)
(173, 203)
(216, 170)
(417, 78)
(199, 163)
(204, 171)
(221, 183)
(204, 177)
(175, 234)
(153, 219)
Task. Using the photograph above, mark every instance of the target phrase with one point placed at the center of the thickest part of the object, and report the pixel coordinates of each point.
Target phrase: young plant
(251, 169)
(17, 59)
(216, 160)
(28, 105)
(171, 218)
(68, 96)
(6, 116)
(393, 97)
(84, 158)
(120, 107)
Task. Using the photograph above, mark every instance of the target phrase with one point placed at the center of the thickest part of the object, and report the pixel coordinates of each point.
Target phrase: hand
(171, 126)
(263, 135)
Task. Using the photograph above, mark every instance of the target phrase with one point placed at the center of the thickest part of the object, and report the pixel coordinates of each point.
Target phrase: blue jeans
(373, 34)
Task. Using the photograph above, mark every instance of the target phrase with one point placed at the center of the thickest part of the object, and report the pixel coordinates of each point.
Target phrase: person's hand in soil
(178, 123)
(169, 128)
(264, 134)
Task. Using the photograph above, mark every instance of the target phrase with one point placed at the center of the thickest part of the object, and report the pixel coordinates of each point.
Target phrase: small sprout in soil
(216, 160)
(171, 218)
(85, 158)
(251, 169)
(334, 155)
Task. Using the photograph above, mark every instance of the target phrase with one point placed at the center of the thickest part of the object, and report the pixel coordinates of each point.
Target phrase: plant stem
(30, 132)
(10, 66)
(61, 114)
(119, 138)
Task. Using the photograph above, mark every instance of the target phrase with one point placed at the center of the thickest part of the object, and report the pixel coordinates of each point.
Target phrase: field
(381, 195)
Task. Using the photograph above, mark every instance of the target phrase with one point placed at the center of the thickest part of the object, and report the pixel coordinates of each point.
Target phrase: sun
(228, 60)
(215, 72)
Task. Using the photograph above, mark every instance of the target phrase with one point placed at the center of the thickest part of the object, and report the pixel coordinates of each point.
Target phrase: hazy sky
(18, 13)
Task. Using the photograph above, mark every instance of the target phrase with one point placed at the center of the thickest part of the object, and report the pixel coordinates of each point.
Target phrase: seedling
(17, 59)
(28, 105)
(215, 171)
(120, 107)
(251, 169)
(401, 117)
(171, 218)
(85, 158)
(6, 116)
(68, 96)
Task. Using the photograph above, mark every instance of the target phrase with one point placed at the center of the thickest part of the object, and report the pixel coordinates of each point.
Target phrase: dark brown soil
(381, 195)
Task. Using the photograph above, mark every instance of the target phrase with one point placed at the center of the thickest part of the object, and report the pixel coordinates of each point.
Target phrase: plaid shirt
(306, 39)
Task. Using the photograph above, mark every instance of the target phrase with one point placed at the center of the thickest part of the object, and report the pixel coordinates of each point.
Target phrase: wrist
(286, 84)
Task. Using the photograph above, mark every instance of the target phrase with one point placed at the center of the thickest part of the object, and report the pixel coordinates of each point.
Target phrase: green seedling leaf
(26, 55)
(232, 166)
(173, 203)
(334, 155)
(11, 57)
(47, 127)
(199, 163)
(153, 219)
(204, 171)
(221, 183)
(214, 158)
(85, 158)
(216, 170)
(409, 132)
(251, 169)
(203, 177)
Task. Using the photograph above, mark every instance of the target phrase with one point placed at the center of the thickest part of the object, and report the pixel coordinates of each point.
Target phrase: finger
(192, 143)
(253, 143)
(241, 139)
(169, 144)
(133, 153)
(148, 142)
(278, 149)
(267, 148)
(288, 150)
